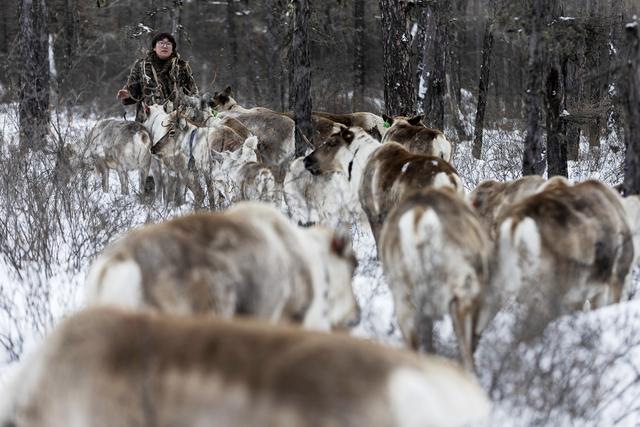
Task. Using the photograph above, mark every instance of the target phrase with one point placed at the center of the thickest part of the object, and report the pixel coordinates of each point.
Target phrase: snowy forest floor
(583, 370)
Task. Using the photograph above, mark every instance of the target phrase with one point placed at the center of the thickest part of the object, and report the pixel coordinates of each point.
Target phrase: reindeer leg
(463, 327)
(104, 174)
(123, 176)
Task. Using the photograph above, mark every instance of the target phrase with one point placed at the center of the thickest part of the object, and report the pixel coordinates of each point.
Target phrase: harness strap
(192, 160)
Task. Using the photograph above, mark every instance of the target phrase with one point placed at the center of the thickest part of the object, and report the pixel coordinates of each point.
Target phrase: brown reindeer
(436, 255)
(247, 260)
(564, 248)
(106, 367)
(274, 130)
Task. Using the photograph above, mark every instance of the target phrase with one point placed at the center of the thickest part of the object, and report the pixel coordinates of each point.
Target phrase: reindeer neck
(362, 149)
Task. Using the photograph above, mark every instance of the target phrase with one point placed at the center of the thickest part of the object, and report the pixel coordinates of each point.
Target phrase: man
(159, 77)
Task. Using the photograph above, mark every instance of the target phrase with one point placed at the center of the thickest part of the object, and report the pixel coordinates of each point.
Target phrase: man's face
(163, 48)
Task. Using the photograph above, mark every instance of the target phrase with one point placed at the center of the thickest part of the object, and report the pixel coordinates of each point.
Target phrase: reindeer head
(175, 126)
(330, 156)
(222, 101)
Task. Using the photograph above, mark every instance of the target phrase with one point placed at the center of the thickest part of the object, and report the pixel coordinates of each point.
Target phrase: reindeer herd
(192, 321)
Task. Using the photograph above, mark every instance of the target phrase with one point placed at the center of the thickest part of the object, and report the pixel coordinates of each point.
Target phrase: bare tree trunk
(399, 87)
(532, 159)
(302, 77)
(34, 78)
(232, 36)
(483, 88)
(176, 20)
(357, 102)
(554, 104)
(630, 96)
(593, 56)
(432, 80)
(574, 94)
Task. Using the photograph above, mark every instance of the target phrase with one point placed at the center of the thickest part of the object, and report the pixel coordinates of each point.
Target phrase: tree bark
(357, 102)
(555, 101)
(176, 21)
(432, 80)
(630, 95)
(532, 159)
(483, 88)
(34, 76)
(556, 134)
(233, 44)
(399, 87)
(301, 77)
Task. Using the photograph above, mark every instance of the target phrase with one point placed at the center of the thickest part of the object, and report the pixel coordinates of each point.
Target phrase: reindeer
(381, 174)
(275, 131)
(122, 146)
(436, 255)
(108, 367)
(247, 260)
(189, 151)
(415, 137)
(564, 248)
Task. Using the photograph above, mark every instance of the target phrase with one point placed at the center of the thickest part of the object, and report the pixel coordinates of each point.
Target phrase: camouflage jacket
(154, 80)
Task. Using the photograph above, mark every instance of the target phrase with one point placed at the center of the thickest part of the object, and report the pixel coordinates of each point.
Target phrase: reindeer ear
(227, 91)
(347, 135)
(415, 121)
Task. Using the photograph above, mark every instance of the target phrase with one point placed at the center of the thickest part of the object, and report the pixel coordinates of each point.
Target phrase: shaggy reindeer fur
(563, 247)
(248, 260)
(108, 368)
(436, 256)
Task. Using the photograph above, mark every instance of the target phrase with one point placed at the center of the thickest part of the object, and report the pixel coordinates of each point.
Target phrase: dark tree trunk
(593, 56)
(71, 35)
(457, 47)
(532, 159)
(555, 102)
(556, 138)
(34, 76)
(630, 96)
(357, 102)
(233, 44)
(432, 80)
(302, 77)
(399, 87)
(573, 96)
(483, 88)
(176, 20)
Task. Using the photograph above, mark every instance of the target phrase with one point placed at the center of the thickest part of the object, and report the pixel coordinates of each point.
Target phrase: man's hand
(123, 94)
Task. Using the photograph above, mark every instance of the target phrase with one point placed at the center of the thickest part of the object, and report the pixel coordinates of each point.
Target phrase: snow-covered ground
(585, 370)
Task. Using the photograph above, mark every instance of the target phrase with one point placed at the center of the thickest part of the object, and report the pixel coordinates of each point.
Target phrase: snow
(584, 370)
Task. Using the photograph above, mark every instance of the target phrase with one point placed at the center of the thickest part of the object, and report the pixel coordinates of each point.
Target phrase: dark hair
(163, 36)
